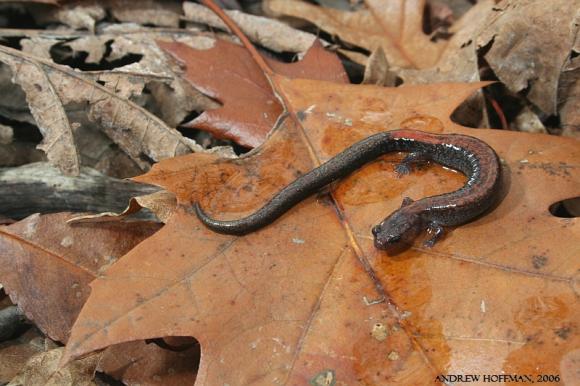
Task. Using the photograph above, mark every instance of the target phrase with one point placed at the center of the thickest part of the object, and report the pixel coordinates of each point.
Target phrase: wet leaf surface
(301, 299)
(250, 107)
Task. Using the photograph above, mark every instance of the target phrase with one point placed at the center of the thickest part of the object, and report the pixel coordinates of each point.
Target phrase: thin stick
(499, 112)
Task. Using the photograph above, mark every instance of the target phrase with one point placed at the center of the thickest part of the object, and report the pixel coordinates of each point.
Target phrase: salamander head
(401, 225)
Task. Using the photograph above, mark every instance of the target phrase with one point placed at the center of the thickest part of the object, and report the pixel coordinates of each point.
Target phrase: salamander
(466, 154)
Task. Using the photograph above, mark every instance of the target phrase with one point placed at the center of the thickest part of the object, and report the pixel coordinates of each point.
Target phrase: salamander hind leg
(411, 159)
(436, 230)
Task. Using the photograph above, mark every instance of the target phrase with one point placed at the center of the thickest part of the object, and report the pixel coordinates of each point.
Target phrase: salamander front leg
(406, 164)
(436, 231)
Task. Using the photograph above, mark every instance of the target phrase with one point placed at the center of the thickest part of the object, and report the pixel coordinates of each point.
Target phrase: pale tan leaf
(377, 70)
(93, 45)
(394, 25)
(39, 45)
(529, 43)
(143, 136)
(458, 62)
(46, 106)
(269, 33)
(159, 13)
(75, 16)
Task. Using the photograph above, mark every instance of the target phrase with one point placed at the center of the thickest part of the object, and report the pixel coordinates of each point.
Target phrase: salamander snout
(399, 226)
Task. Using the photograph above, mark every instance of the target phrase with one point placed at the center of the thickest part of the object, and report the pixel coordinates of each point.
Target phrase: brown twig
(498, 110)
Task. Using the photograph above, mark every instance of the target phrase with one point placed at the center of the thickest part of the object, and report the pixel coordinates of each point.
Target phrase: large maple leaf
(309, 299)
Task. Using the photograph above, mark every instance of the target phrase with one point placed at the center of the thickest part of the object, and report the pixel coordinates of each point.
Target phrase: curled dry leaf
(161, 203)
(250, 108)
(266, 32)
(298, 300)
(46, 107)
(378, 71)
(144, 137)
(43, 369)
(458, 61)
(394, 25)
(529, 43)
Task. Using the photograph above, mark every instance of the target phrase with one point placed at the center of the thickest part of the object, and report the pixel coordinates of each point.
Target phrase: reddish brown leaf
(308, 298)
(46, 267)
(227, 73)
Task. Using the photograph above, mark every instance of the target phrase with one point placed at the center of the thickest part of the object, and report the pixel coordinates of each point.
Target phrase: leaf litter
(268, 307)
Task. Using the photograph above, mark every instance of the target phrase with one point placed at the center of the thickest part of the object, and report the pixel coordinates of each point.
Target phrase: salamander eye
(376, 229)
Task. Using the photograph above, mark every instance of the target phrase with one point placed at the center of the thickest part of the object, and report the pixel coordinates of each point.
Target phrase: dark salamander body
(469, 155)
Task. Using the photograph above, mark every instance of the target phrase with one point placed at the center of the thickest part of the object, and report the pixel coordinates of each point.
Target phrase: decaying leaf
(569, 95)
(161, 203)
(43, 369)
(458, 61)
(394, 25)
(46, 107)
(378, 71)
(139, 133)
(529, 43)
(250, 108)
(266, 32)
(47, 265)
(148, 12)
(298, 301)
(76, 16)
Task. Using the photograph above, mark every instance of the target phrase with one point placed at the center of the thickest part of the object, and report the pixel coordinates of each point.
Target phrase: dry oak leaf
(46, 266)
(530, 42)
(228, 73)
(46, 107)
(308, 298)
(458, 61)
(143, 136)
(394, 25)
(263, 31)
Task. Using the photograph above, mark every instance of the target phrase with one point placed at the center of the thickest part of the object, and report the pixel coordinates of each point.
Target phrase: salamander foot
(436, 231)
